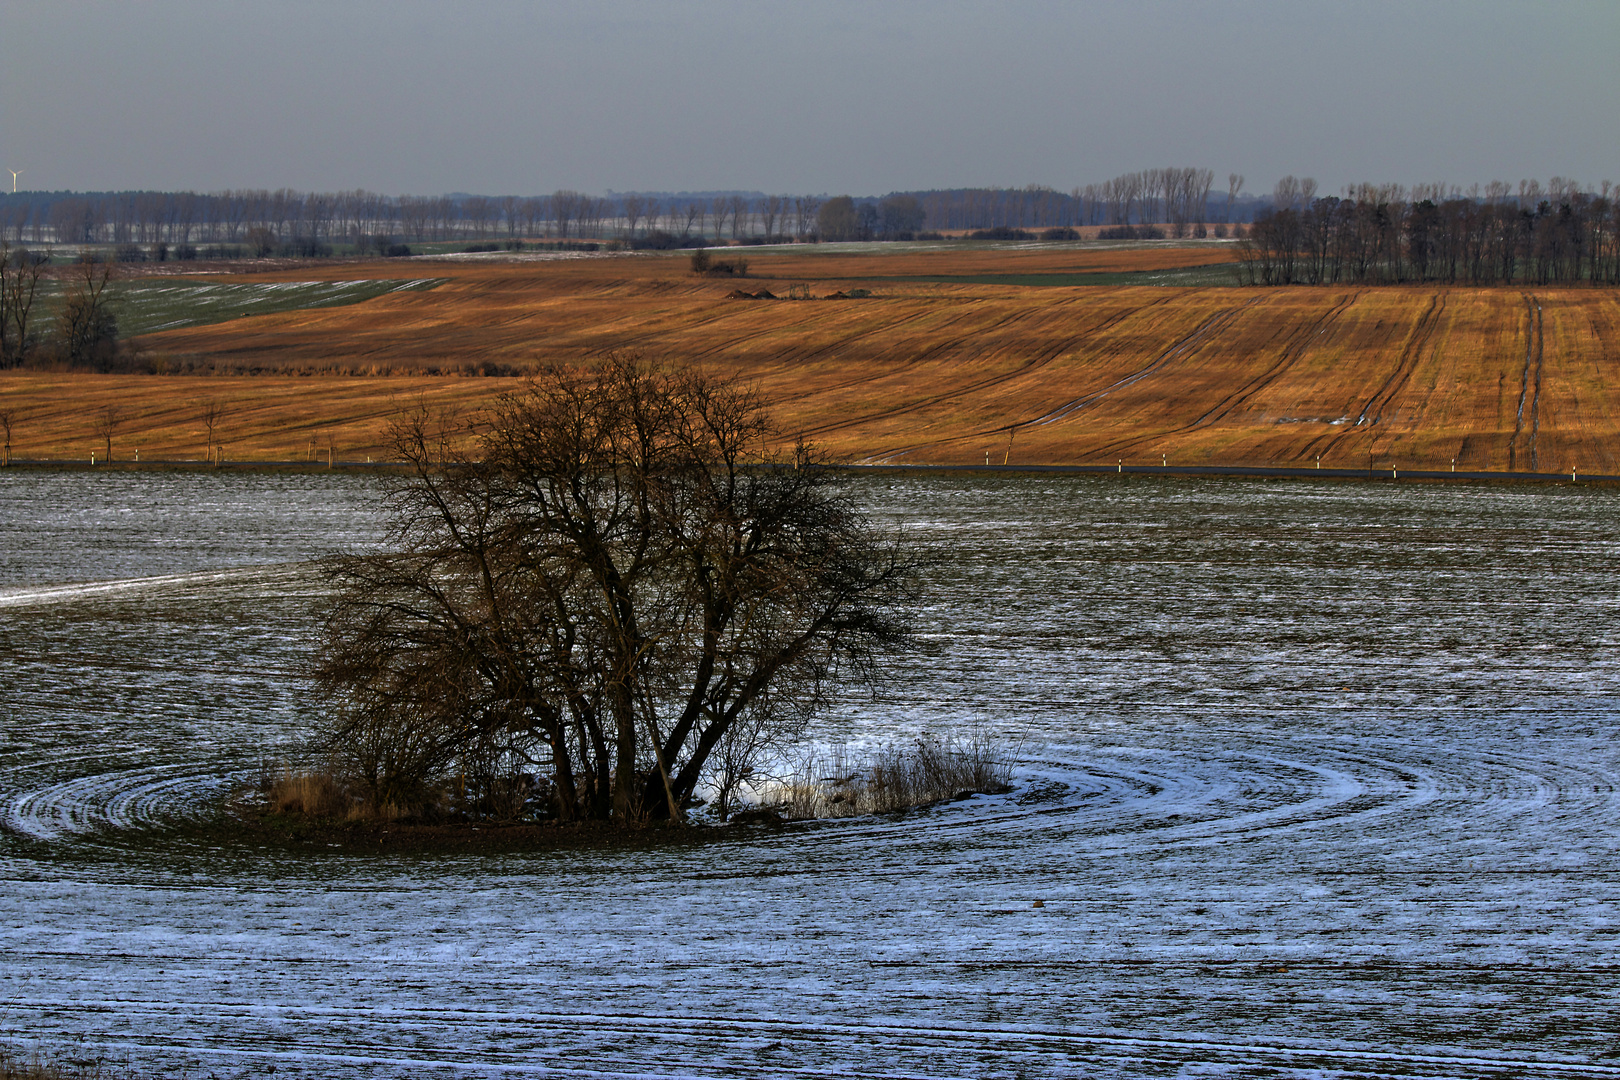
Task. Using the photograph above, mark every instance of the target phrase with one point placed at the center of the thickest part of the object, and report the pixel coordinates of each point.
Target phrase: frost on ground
(1319, 781)
(148, 308)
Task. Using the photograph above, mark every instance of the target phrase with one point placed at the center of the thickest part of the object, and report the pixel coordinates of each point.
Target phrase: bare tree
(478, 210)
(771, 210)
(1234, 184)
(741, 216)
(535, 211)
(107, 421)
(719, 207)
(8, 418)
(1202, 181)
(601, 590)
(805, 210)
(1286, 194)
(692, 216)
(85, 322)
(20, 273)
(212, 412)
(635, 208)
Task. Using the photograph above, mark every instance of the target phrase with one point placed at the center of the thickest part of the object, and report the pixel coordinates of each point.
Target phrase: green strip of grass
(147, 307)
(1185, 276)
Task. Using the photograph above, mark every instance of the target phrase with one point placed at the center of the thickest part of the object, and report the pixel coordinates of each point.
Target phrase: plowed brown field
(928, 369)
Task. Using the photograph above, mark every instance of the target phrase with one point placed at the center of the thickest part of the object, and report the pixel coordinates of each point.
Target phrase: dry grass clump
(326, 793)
(893, 777)
(310, 794)
(13, 1066)
(322, 794)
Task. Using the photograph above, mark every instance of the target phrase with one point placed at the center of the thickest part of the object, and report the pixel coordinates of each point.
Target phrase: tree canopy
(604, 595)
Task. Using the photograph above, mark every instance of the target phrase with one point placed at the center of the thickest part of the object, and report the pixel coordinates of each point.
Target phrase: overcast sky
(809, 96)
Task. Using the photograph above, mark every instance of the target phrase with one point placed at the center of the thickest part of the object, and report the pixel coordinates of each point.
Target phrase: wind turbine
(14, 174)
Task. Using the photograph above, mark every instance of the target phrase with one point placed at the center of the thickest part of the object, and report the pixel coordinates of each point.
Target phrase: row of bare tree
(1178, 197)
(108, 419)
(263, 219)
(1387, 234)
(355, 217)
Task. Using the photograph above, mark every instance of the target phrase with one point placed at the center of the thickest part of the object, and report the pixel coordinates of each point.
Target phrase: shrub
(303, 248)
(310, 794)
(660, 240)
(1060, 234)
(718, 267)
(261, 241)
(1131, 232)
(894, 777)
(1000, 232)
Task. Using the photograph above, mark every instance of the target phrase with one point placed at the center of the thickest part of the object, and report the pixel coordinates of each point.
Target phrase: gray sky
(810, 96)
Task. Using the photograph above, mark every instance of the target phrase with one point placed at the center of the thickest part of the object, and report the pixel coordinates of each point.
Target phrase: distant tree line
(1560, 232)
(1387, 234)
(175, 224)
(308, 224)
(1178, 197)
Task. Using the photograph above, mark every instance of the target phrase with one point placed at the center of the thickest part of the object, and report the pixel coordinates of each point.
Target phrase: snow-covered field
(1320, 781)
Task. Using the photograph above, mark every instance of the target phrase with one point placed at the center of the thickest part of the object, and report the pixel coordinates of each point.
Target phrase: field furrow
(949, 360)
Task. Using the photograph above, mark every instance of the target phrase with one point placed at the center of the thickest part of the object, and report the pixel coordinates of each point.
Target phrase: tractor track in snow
(1272, 825)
